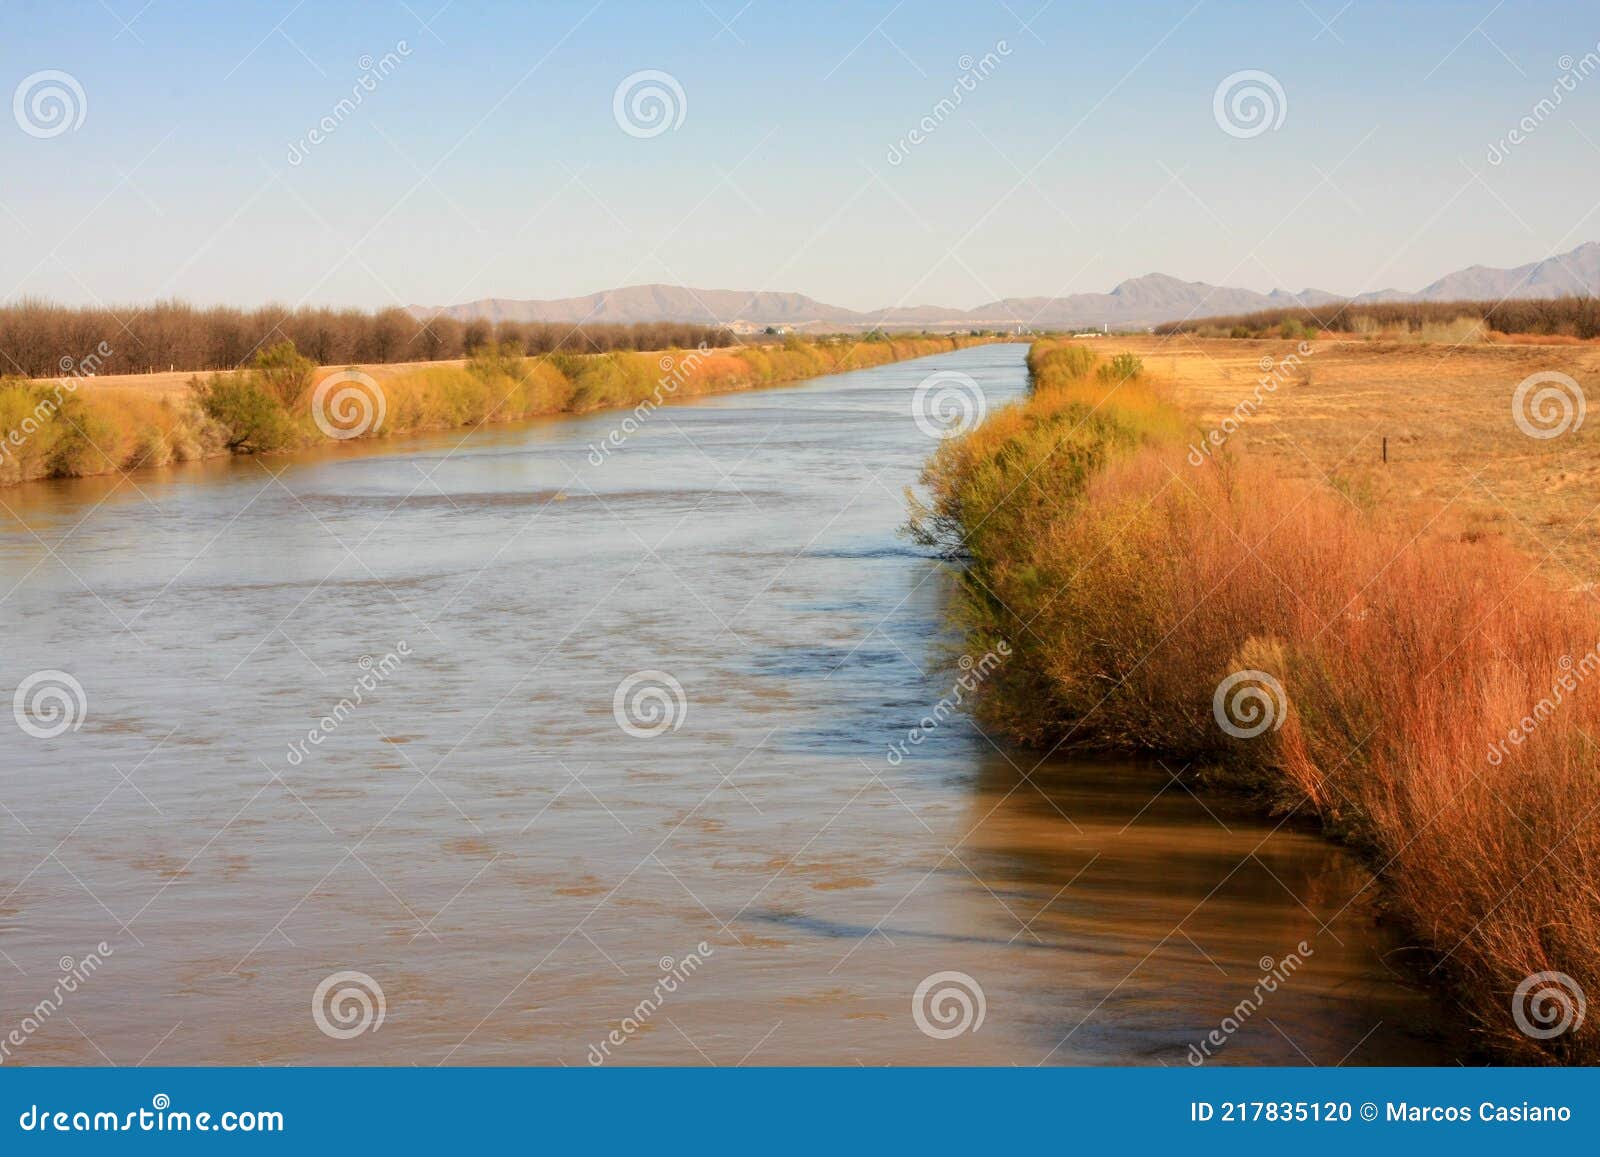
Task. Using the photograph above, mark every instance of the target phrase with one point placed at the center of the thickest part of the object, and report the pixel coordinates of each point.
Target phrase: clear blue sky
(489, 162)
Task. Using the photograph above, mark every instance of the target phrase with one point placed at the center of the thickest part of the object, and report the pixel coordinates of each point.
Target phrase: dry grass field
(176, 385)
(1454, 451)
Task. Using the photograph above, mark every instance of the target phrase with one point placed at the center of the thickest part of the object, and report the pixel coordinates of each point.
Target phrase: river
(741, 875)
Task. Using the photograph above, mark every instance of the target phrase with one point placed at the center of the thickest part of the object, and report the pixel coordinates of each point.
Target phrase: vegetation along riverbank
(76, 425)
(1431, 698)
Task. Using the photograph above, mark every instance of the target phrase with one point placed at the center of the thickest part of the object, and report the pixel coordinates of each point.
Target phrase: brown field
(1454, 451)
(176, 385)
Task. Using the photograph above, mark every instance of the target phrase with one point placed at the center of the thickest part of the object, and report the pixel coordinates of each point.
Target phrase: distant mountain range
(1137, 302)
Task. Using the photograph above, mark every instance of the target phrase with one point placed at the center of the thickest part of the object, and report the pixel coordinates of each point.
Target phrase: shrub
(1124, 367)
(250, 415)
(84, 441)
(284, 374)
(1131, 584)
(1054, 363)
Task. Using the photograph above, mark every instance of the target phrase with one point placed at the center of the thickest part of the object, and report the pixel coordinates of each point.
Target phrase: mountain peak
(1135, 303)
(1152, 281)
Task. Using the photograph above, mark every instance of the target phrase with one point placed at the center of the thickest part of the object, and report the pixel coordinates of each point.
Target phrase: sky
(489, 154)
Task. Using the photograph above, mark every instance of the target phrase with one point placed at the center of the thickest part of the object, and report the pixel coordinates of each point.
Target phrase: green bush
(284, 373)
(1049, 363)
(1122, 368)
(250, 414)
(83, 441)
(497, 364)
(26, 429)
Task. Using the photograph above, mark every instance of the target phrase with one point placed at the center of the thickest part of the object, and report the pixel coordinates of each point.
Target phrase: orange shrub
(1433, 701)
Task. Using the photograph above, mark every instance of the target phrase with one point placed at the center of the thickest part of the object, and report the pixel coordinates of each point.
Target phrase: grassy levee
(1433, 701)
(74, 427)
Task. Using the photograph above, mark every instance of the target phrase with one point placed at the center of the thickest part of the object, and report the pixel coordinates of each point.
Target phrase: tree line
(1560, 316)
(39, 339)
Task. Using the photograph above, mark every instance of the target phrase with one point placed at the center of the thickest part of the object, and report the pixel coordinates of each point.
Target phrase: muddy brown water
(526, 882)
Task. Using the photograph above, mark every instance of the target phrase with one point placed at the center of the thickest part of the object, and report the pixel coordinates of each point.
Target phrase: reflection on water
(476, 833)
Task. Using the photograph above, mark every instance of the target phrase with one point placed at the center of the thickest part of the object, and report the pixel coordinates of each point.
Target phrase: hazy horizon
(479, 162)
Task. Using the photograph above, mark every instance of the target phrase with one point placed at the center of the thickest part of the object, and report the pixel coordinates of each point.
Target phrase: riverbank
(1431, 700)
(77, 426)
